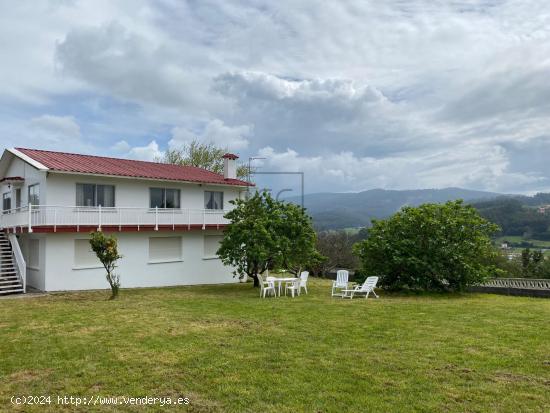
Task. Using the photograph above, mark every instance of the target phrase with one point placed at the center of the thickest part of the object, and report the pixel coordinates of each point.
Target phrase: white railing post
(173, 219)
(188, 219)
(99, 220)
(30, 218)
(156, 218)
(55, 220)
(203, 218)
(119, 219)
(77, 219)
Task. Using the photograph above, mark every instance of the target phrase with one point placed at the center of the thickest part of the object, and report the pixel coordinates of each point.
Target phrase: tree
(201, 155)
(265, 234)
(296, 239)
(430, 247)
(106, 249)
(337, 247)
(533, 264)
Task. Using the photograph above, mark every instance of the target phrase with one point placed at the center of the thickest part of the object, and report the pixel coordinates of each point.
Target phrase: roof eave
(28, 159)
(54, 171)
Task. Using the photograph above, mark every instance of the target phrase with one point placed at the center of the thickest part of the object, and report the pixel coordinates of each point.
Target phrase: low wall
(515, 286)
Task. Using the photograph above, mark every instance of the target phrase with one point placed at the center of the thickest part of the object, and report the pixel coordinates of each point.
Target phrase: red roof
(101, 165)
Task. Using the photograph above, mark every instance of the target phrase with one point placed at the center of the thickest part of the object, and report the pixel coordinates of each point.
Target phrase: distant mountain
(356, 209)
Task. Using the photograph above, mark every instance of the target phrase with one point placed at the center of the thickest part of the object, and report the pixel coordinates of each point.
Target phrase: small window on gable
(6, 201)
(34, 194)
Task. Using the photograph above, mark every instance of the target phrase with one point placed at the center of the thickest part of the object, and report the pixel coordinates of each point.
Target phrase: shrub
(431, 247)
(106, 249)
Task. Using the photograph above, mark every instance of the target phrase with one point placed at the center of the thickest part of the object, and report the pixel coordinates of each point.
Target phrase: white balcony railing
(73, 216)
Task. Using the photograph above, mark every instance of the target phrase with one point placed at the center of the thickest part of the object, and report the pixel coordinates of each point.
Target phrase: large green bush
(431, 247)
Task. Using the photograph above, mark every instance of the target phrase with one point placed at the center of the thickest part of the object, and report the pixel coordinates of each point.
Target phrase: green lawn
(517, 239)
(227, 350)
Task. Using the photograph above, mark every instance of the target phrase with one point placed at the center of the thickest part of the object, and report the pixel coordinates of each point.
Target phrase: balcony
(47, 218)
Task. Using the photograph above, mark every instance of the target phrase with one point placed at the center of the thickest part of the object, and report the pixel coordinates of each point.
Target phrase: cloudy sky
(357, 94)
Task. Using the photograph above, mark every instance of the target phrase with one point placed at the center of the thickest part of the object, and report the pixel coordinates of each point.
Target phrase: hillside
(344, 210)
(518, 216)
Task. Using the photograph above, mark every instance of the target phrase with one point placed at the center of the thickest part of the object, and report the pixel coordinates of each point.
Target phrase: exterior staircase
(9, 280)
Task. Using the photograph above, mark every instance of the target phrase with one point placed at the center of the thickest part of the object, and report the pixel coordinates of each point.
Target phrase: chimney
(230, 166)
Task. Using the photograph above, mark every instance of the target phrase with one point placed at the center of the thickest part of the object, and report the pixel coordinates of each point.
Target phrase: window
(18, 198)
(164, 198)
(83, 254)
(165, 249)
(213, 200)
(6, 201)
(211, 245)
(92, 195)
(34, 253)
(34, 194)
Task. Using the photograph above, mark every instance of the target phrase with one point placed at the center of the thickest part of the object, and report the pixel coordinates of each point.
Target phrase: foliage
(337, 247)
(515, 218)
(106, 249)
(529, 264)
(430, 247)
(201, 155)
(534, 264)
(264, 234)
(509, 268)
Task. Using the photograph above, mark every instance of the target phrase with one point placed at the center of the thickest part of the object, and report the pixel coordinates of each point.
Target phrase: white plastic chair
(366, 288)
(303, 280)
(271, 279)
(342, 277)
(293, 286)
(266, 286)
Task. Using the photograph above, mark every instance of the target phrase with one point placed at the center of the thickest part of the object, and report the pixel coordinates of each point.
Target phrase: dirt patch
(25, 376)
(505, 377)
(197, 403)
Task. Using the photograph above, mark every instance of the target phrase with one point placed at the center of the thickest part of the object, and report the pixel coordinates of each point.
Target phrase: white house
(168, 220)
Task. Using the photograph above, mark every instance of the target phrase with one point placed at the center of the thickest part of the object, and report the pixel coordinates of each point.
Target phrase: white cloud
(122, 146)
(457, 167)
(232, 137)
(56, 127)
(150, 152)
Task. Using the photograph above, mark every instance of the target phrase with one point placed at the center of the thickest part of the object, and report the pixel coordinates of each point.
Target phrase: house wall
(133, 192)
(36, 275)
(134, 269)
(31, 175)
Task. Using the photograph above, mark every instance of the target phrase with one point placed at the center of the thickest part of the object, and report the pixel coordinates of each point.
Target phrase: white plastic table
(281, 281)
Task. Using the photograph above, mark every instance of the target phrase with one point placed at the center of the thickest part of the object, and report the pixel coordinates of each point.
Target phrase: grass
(518, 239)
(227, 350)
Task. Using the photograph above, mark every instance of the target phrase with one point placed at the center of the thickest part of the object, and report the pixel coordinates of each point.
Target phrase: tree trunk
(256, 281)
